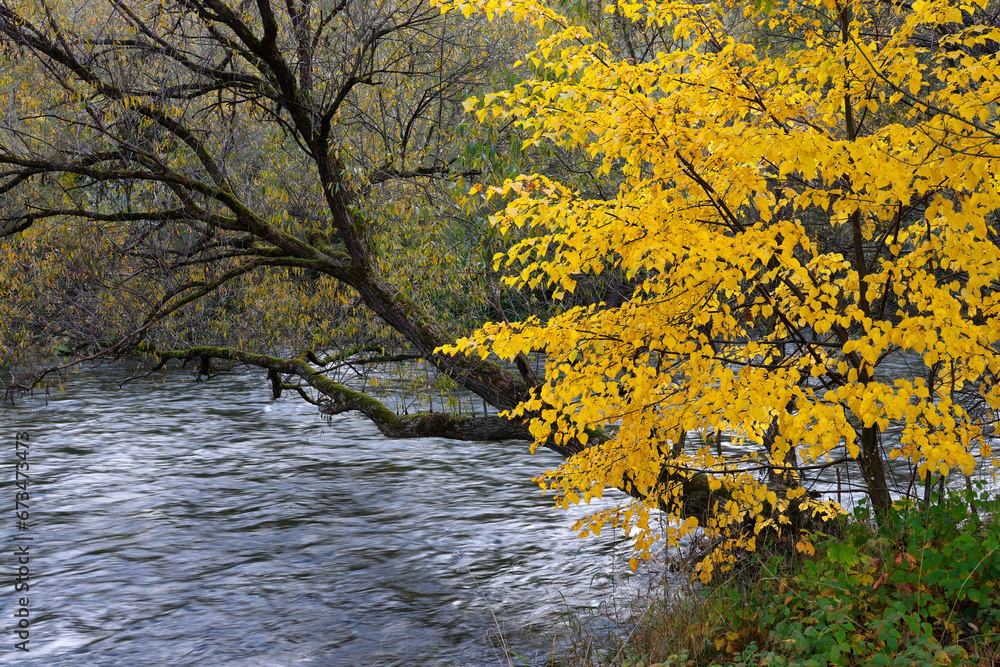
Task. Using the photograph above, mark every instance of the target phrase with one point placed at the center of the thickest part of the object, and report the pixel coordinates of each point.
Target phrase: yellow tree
(808, 190)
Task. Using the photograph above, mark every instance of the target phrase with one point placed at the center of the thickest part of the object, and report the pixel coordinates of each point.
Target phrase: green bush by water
(921, 588)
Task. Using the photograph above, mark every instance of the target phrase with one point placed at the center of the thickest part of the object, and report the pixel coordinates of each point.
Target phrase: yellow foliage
(738, 167)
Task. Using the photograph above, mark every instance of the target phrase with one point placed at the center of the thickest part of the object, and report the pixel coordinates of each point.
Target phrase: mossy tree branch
(337, 398)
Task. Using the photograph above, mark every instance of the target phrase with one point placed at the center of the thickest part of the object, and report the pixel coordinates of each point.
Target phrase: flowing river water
(183, 523)
(175, 522)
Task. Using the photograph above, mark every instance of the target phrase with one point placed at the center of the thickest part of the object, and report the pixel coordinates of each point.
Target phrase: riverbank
(920, 589)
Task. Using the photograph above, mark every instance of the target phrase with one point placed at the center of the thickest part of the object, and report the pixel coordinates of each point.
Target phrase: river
(175, 522)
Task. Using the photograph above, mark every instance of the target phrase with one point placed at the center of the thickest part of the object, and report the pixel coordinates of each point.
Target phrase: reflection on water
(203, 524)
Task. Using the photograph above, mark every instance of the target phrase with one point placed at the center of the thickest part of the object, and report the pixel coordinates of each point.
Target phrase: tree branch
(339, 398)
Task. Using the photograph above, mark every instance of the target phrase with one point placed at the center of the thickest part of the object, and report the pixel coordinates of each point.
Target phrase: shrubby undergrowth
(918, 588)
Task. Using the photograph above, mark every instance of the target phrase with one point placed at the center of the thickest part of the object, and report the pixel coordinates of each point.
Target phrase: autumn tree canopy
(808, 191)
(262, 183)
(766, 204)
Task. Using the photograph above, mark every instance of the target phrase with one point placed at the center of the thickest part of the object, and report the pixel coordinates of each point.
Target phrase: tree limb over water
(335, 398)
(200, 149)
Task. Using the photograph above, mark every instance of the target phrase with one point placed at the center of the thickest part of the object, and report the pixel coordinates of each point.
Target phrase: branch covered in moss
(338, 398)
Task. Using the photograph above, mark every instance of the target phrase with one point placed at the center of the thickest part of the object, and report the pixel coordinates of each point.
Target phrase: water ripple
(186, 523)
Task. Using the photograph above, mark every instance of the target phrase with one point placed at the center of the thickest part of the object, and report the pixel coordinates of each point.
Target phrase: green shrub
(919, 588)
